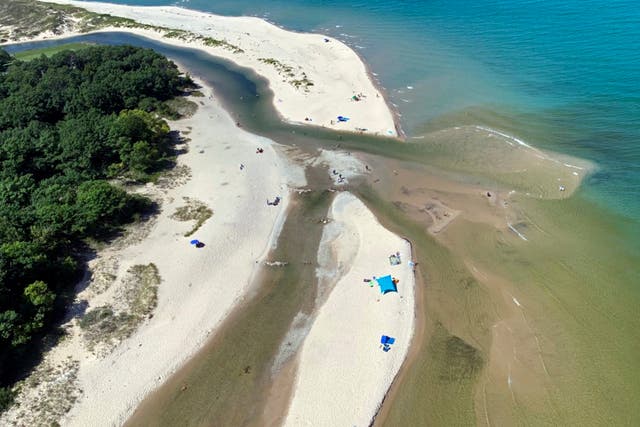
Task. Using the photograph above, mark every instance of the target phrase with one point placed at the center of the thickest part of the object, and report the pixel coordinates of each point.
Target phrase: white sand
(343, 374)
(199, 286)
(335, 69)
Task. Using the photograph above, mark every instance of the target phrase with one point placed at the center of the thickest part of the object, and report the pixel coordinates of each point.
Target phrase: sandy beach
(343, 373)
(287, 59)
(198, 286)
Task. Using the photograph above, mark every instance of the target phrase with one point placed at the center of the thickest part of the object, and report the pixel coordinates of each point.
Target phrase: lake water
(563, 76)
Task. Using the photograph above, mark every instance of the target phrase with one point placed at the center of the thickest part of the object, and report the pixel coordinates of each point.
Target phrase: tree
(6, 398)
(67, 123)
(100, 207)
(142, 158)
(5, 60)
(39, 294)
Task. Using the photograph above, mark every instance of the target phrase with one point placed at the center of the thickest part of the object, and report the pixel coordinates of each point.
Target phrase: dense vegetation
(70, 125)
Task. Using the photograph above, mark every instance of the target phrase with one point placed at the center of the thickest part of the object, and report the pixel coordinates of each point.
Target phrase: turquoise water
(563, 75)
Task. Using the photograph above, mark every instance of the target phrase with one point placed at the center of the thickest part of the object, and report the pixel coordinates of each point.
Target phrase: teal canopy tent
(386, 284)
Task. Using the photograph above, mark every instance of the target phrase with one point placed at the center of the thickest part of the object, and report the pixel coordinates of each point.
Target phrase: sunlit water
(563, 75)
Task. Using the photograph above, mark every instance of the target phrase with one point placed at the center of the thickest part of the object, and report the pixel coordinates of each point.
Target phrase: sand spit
(343, 372)
(314, 81)
(198, 287)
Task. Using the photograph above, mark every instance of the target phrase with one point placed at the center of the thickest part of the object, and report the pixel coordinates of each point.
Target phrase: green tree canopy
(70, 126)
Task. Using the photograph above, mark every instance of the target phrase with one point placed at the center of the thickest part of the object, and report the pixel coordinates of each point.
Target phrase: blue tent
(386, 284)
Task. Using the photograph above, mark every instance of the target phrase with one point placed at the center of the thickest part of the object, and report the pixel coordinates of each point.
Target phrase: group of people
(340, 177)
(275, 202)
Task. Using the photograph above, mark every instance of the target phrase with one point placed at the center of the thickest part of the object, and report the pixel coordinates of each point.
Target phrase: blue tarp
(386, 284)
(387, 340)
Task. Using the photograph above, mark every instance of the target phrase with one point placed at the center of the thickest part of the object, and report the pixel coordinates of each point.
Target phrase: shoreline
(313, 76)
(342, 347)
(207, 284)
(417, 340)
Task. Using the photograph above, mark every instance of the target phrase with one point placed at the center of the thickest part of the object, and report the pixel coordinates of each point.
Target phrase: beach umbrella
(195, 242)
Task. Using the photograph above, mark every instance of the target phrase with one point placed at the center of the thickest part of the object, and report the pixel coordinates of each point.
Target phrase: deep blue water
(562, 75)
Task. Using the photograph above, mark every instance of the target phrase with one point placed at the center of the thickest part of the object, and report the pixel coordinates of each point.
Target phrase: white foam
(522, 236)
(507, 136)
(573, 166)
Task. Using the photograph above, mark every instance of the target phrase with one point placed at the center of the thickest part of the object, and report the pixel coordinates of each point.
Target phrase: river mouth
(527, 299)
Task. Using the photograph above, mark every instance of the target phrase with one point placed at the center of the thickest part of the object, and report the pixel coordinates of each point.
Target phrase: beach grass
(28, 55)
(565, 278)
(105, 326)
(288, 72)
(194, 210)
(141, 290)
(52, 402)
(30, 18)
(178, 108)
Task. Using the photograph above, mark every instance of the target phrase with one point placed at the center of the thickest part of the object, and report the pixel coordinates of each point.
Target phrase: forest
(72, 126)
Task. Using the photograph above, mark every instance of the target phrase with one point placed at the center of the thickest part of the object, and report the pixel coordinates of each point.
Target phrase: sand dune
(343, 372)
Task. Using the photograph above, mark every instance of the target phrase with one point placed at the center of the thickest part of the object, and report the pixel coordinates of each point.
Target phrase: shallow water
(560, 75)
(228, 380)
(576, 277)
